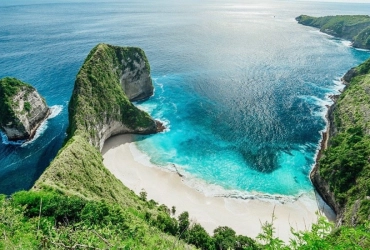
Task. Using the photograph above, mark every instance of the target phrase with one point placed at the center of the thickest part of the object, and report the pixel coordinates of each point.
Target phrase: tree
(183, 224)
(224, 238)
(199, 237)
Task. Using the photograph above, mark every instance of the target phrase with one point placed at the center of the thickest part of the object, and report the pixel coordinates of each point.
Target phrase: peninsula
(22, 109)
(99, 109)
(353, 28)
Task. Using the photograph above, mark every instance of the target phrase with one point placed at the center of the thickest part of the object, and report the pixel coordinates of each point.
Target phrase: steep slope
(343, 174)
(355, 28)
(22, 109)
(98, 109)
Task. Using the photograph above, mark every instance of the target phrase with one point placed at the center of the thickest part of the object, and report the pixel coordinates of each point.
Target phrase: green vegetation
(50, 220)
(355, 28)
(98, 97)
(9, 87)
(345, 165)
(77, 203)
(27, 106)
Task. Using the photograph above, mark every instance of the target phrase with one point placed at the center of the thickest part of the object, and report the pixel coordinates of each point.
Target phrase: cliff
(342, 171)
(355, 28)
(100, 105)
(22, 109)
(342, 174)
(99, 108)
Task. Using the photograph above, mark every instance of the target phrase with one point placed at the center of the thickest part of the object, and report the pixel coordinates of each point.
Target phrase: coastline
(320, 186)
(169, 188)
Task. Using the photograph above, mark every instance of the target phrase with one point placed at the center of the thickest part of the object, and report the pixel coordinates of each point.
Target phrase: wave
(215, 190)
(211, 189)
(347, 43)
(350, 45)
(55, 111)
(5, 140)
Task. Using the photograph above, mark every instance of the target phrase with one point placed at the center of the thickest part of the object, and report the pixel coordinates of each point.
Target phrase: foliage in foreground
(48, 220)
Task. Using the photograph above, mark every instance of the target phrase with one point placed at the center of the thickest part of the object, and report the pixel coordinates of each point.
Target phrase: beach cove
(122, 158)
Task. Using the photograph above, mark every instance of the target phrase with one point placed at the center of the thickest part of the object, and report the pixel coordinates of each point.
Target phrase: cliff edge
(355, 28)
(342, 174)
(100, 108)
(22, 109)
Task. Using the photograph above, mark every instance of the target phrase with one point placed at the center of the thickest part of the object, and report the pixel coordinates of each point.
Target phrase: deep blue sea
(242, 88)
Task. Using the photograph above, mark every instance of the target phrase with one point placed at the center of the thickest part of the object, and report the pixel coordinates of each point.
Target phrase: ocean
(241, 87)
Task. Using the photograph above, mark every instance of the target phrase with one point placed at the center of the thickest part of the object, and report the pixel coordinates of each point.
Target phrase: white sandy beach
(165, 187)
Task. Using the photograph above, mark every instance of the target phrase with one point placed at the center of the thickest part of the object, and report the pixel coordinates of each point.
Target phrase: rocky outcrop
(99, 108)
(349, 75)
(100, 105)
(22, 109)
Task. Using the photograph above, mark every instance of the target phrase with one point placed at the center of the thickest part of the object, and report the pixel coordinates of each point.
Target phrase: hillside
(77, 202)
(342, 175)
(77, 177)
(344, 168)
(353, 28)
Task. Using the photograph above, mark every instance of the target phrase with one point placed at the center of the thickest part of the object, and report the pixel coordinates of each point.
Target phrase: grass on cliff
(352, 27)
(9, 87)
(98, 97)
(345, 165)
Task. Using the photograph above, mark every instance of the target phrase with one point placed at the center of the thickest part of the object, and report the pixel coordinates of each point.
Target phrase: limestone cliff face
(22, 109)
(135, 77)
(321, 185)
(100, 105)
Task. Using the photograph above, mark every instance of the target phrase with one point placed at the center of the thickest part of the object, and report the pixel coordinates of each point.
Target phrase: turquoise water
(242, 87)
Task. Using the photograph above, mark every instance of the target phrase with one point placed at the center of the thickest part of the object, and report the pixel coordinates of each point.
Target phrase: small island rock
(22, 109)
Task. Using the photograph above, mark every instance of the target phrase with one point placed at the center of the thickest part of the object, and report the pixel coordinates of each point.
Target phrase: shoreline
(245, 216)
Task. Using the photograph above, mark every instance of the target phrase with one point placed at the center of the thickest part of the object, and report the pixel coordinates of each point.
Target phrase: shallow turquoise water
(240, 85)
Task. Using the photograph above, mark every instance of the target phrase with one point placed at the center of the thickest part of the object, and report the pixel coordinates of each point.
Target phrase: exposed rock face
(22, 109)
(100, 105)
(349, 75)
(135, 79)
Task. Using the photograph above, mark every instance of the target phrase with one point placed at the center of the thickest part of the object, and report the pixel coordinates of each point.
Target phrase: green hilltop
(355, 28)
